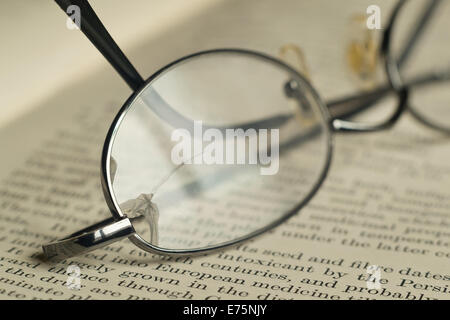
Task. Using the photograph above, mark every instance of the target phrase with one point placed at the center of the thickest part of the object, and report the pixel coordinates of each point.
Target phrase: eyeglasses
(218, 146)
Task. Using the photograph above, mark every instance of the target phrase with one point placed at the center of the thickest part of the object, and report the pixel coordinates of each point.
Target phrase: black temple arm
(93, 28)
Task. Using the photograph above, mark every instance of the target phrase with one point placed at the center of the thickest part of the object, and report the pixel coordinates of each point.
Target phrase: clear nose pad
(294, 90)
(362, 53)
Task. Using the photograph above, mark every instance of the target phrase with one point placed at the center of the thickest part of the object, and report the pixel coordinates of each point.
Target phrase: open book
(377, 229)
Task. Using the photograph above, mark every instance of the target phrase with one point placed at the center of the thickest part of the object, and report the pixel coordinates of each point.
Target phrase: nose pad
(294, 90)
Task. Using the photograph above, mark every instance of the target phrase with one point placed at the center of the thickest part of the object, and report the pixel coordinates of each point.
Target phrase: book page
(382, 212)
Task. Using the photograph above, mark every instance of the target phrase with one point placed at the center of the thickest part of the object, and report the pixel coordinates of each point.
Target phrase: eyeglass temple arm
(93, 28)
(418, 30)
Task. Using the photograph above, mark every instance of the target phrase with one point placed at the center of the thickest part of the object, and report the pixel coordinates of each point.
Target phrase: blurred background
(40, 54)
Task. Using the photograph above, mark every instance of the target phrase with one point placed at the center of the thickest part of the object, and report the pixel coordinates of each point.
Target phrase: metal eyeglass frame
(119, 226)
